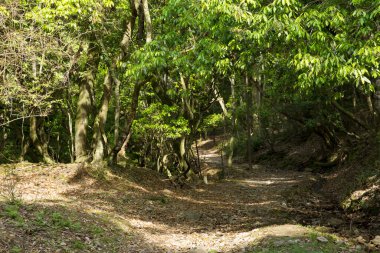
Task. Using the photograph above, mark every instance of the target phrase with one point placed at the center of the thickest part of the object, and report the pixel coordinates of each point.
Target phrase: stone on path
(376, 240)
(322, 239)
(198, 250)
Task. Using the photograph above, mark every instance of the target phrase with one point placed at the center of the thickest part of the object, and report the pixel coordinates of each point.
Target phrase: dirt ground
(152, 215)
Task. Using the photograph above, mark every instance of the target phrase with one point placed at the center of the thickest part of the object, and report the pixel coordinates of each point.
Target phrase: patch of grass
(15, 249)
(96, 230)
(308, 244)
(40, 219)
(12, 211)
(38, 226)
(78, 245)
(59, 221)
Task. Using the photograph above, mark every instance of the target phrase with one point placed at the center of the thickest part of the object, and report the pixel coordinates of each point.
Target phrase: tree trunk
(100, 138)
(117, 108)
(81, 122)
(85, 104)
(125, 46)
(128, 122)
(349, 115)
(124, 146)
(182, 155)
(220, 100)
(71, 141)
(377, 96)
(39, 140)
(148, 21)
(371, 110)
(233, 126)
(249, 120)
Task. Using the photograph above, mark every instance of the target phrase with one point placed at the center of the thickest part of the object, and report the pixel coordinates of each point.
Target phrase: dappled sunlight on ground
(226, 216)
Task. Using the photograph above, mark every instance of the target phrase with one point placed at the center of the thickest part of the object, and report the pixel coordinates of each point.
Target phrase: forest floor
(61, 209)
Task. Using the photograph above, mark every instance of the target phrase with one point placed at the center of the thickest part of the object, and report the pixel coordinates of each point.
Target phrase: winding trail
(228, 215)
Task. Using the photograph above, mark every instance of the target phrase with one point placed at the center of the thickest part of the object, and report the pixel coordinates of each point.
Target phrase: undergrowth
(55, 229)
(309, 244)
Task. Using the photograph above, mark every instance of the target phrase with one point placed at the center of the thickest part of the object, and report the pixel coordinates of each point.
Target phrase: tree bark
(81, 122)
(85, 104)
(39, 140)
(148, 21)
(117, 108)
(100, 138)
(233, 126)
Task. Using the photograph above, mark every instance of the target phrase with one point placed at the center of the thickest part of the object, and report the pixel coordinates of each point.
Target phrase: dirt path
(225, 216)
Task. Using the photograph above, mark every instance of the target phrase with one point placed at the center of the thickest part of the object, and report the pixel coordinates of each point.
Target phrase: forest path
(229, 215)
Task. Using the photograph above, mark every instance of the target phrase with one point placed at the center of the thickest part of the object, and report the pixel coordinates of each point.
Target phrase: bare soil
(144, 212)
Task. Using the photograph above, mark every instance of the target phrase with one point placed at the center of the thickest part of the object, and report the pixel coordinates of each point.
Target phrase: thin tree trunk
(124, 146)
(23, 147)
(125, 46)
(376, 96)
(71, 142)
(233, 127)
(117, 108)
(125, 43)
(350, 115)
(128, 123)
(220, 100)
(182, 154)
(370, 107)
(249, 121)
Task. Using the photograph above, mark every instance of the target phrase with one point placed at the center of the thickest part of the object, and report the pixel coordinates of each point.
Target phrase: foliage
(310, 64)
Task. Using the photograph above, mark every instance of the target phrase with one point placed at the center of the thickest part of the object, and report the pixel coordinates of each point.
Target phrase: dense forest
(115, 86)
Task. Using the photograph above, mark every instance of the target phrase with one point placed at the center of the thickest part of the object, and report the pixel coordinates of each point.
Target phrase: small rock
(376, 240)
(322, 239)
(371, 247)
(198, 250)
(360, 239)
